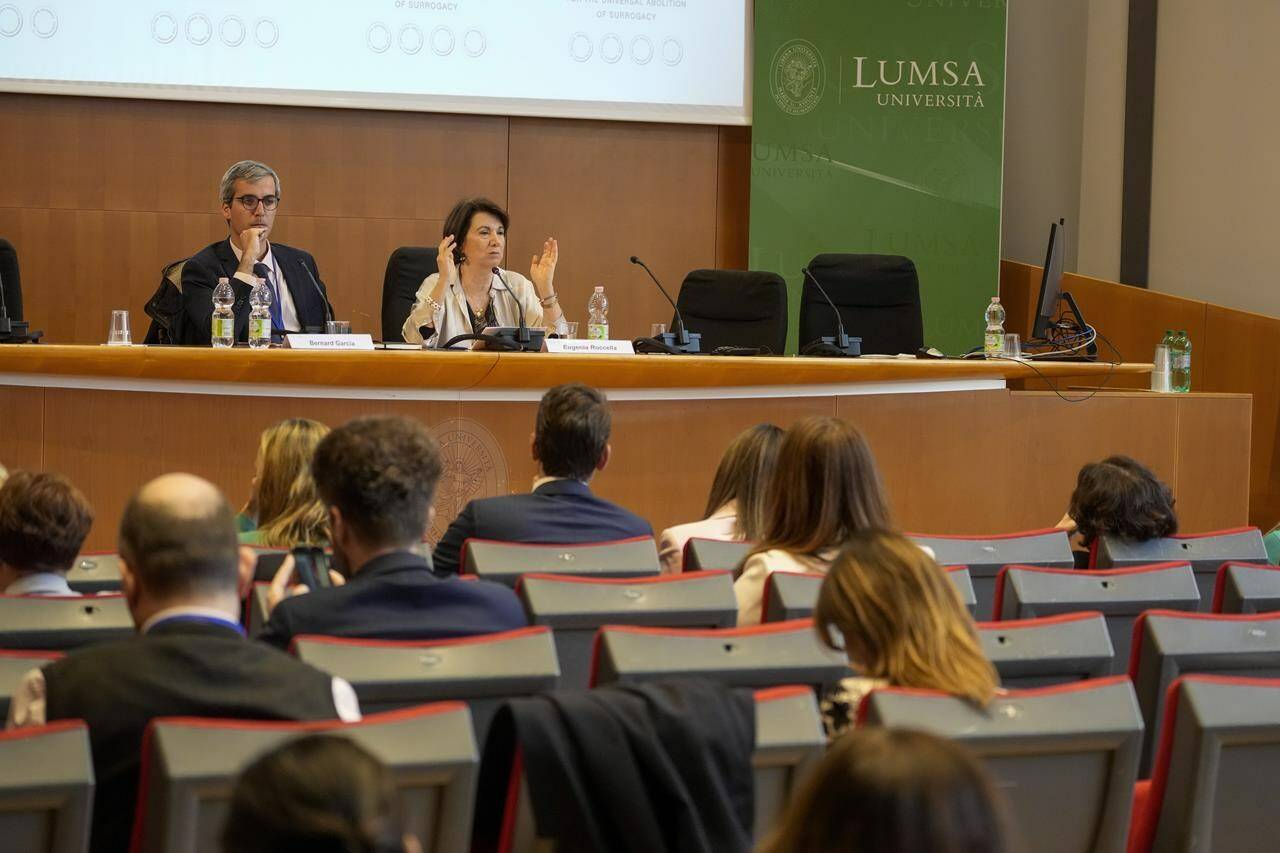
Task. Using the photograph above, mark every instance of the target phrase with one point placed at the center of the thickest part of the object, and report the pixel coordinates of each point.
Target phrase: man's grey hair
(245, 170)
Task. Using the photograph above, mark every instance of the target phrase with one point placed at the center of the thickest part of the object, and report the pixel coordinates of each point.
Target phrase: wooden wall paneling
(22, 428)
(1212, 488)
(609, 190)
(733, 198)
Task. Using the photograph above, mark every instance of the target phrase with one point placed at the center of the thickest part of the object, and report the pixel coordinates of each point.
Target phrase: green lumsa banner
(879, 128)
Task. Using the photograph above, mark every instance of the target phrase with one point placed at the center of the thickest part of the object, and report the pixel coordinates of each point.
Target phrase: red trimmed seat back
(46, 788)
(255, 612)
(701, 555)
(15, 663)
(95, 571)
(1025, 592)
(1066, 757)
(1204, 551)
(37, 622)
(505, 562)
(1219, 749)
(1246, 588)
(1167, 645)
(1048, 650)
(985, 555)
(794, 595)
(575, 607)
(190, 765)
(758, 656)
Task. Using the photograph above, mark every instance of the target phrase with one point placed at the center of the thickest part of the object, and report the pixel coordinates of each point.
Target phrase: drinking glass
(119, 334)
(1012, 345)
(657, 330)
(337, 327)
(570, 329)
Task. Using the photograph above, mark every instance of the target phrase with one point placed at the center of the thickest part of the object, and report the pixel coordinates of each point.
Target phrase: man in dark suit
(377, 476)
(570, 444)
(250, 193)
(182, 573)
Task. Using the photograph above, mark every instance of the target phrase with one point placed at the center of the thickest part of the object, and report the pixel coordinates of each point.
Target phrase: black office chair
(406, 268)
(735, 308)
(165, 306)
(13, 329)
(878, 297)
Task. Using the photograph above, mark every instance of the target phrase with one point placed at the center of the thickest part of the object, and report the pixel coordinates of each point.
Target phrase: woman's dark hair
(44, 520)
(1119, 496)
(318, 794)
(894, 789)
(572, 431)
(458, 222)
(743, 476)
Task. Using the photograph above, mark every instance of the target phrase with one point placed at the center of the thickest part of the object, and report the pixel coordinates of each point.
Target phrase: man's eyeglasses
(250, 202)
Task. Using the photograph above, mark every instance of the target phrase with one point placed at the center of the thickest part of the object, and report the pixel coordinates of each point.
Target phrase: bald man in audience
(182, 574)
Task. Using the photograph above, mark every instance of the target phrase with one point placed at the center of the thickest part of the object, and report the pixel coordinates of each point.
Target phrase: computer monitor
(1051, 281)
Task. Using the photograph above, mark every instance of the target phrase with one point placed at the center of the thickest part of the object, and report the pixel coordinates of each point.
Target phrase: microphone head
(634, 259)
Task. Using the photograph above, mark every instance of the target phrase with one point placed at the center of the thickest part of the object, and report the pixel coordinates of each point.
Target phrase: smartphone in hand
(311, 566)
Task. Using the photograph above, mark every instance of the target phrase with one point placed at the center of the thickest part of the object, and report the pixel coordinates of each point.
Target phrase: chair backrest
(575, 607)
(986, 555)
(878, 297)
(15, 663)
(482, 670)
(1066, 757)
(1206, 552)
(1168, 644)
(406, 269)
(505, 562)
(793, 595)
(95, 572)
(190, 766)
(46, 788)
(702, 555)
(165, 306)
(735, 308)
(268, 563)
(11, 279)
(757, 656)
(1049, 650)
(255, 610)
(1246, 588)
(38, 622)
(1025, 592)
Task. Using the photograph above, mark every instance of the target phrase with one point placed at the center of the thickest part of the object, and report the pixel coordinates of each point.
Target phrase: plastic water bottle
(260, 315)
(1180, 363)
(224, 320)
(598, 315)
(993, 341)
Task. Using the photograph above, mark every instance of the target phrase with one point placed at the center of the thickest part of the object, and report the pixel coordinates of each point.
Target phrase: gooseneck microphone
(522, 332)
(841, 344)
(324, 300)
(685, 341)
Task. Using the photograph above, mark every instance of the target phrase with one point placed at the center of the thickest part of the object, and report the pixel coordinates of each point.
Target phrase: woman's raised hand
(543, 269)
(445, 264)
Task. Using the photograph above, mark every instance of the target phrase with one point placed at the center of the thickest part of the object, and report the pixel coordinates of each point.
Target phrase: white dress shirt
(41, 583)
(288, 312)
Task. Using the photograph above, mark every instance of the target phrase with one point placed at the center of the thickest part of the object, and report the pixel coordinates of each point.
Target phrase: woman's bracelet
(548, 301)
(435, 306)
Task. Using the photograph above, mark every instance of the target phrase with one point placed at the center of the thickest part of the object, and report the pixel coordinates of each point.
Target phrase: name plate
(329, 342)
(590, 347)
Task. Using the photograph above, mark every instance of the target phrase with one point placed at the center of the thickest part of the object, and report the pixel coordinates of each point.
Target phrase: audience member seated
(892, 610)
(736, 505)
(43, 522)
(316, 793)
(377, 477)
(570, 444)
(1118, 496)
(285, 508)
(825, 488)
(895, 790)
(182, 575)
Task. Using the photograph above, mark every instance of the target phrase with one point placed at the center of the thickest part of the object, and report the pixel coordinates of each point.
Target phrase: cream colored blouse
(452, 318)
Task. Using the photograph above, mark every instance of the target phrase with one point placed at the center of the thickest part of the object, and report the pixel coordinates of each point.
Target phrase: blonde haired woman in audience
(736, 506)
(287, 508)
(897, 617)
(825, 488)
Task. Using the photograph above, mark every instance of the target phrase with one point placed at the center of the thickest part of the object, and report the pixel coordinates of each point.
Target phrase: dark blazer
(397, 597)
(202, 271)
(182, 667)
(561, 512)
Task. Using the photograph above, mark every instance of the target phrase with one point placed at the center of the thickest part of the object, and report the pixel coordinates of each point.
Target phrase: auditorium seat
(702, 555)
(1169, 644)
(94, 572)
(756, 656)
(878, 297)
(37, 622)
(789, 743)
(1206, 552)
(1025, 592)
(254, 614)
(1065, 757)
(737, 308)
(793, 595)
(1048, 650)
(505, 562)
(46, 788)
(986, 555)
(1246, 588)
(481, 670)
(1219, 752)
(575, 607)
(407, 268)
(13, 665)
(190, 765)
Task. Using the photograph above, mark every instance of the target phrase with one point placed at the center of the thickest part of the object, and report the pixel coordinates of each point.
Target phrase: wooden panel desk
(959, 451)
